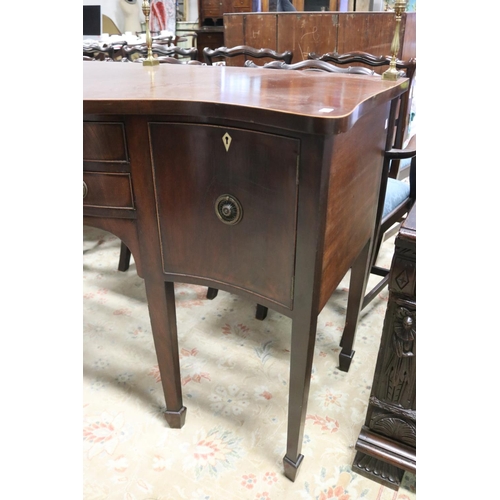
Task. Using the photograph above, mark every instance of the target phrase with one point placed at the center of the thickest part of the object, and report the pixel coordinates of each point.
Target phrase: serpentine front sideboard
(260, 182)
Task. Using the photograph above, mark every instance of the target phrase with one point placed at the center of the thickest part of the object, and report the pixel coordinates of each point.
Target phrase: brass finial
(392, 73)
(150, 60)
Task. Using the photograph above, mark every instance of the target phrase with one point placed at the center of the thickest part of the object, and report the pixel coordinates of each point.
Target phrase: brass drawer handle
(85, 189)
(228, 209)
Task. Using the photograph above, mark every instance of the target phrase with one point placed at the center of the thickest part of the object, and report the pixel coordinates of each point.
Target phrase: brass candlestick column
(150, 60)
(392, 72)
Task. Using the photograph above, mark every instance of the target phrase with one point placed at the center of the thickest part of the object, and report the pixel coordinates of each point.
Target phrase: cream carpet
(235, 387)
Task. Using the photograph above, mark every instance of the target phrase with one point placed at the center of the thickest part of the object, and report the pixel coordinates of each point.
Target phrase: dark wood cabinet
(321, 32)
(209, 36)
(211, 30)
(211, 11)
(387, 442)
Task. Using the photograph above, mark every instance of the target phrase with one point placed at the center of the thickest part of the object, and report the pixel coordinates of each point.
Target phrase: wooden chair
(396, 196)
(315, 65)
(94, 52)
(174, 60)
(134, 52)
(223, 53)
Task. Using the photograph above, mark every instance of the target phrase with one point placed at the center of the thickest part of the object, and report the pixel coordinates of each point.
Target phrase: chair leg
(124, 262)
(212, 293)
(261, 312)
(357, 286)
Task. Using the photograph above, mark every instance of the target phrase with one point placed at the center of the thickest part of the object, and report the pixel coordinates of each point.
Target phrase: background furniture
(244, 53)
(254, 209)
(322, 32)
(386, 446)
(134, 52)
(211, 28)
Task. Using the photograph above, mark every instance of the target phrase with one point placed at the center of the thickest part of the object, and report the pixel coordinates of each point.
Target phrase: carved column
(386, 446)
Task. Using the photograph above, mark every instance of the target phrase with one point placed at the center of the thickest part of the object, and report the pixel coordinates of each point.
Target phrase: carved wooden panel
(389, 434)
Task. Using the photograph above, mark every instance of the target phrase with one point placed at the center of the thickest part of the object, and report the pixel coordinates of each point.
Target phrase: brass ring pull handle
(228, 209)
(85, 189)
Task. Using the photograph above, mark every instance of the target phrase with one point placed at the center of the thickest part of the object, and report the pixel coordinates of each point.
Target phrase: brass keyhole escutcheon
(228, 209)
(85, 189)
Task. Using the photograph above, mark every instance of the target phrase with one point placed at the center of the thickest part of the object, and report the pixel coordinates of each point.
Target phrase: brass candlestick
(150, 60)
(392, 73)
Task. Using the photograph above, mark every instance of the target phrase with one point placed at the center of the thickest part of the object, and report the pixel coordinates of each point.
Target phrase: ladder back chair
(134, 52)
(315, 65)
(242, 53)
(396, 197)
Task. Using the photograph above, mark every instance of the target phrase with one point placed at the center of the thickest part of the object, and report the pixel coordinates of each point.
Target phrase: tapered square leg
(212, 293)
(176, 419)
(345, 359)
(292, 468)
(301, 359)
(357, 287)
(161, 304)
(261, 312)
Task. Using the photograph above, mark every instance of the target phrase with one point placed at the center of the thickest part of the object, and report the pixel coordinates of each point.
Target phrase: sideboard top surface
(296, 100)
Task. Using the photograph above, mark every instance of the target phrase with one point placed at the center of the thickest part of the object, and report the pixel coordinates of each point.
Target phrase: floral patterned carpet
(235, 386)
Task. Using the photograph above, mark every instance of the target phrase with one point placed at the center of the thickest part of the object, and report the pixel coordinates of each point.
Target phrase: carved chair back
(406, 68)
(239, 54)
(133, 52)
(315, 65)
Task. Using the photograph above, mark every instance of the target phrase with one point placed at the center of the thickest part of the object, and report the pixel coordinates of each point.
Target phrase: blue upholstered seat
(397, 192)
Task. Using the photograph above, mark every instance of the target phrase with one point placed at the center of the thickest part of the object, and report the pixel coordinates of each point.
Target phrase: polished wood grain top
(299, 100)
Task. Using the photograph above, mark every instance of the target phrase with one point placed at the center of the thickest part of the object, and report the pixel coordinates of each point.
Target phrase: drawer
(212, 5)
(241, 3)
(234, 193)
(212, 12)
(107, 190)
(104, 142)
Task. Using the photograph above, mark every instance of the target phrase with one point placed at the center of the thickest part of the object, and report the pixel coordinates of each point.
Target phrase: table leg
(161, 304)
(357, 287)
(212, 293)
(301, 360)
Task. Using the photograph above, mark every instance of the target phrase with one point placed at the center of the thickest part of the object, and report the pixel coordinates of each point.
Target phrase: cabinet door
(193, 166)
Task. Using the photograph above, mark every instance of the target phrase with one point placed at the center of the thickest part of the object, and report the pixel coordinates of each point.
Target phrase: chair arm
(408, 152)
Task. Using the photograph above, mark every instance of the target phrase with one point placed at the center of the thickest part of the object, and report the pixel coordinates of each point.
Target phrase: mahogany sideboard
(387, 442)
(259, 182)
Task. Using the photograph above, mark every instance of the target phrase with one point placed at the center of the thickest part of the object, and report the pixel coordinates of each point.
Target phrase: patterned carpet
(235, 387)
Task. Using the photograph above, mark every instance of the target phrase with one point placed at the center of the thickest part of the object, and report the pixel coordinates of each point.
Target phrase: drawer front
(107, 190)
(194, 166)
(104, 142)
(212, 12)
(242, 5)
